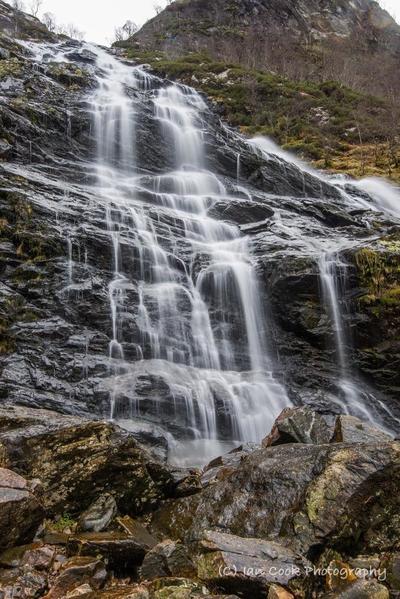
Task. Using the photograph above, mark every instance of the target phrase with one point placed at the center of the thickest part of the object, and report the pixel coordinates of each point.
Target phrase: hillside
(323, 88)
(357, 43)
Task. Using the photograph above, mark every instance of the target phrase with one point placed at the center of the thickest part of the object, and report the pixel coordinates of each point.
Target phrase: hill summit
(355, 42)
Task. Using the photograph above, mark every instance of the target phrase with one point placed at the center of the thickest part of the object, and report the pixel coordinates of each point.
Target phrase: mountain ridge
(304, 39)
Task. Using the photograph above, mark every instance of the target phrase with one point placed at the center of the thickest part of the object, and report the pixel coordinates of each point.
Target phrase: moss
(379, 274)
(69, 74)
(11, 67)
(264, 103)
(14, 310)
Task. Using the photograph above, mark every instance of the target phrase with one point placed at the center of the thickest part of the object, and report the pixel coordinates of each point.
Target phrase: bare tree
(125, 32)
(18, 5)
(35, 7)
(71, 31)
(158, 8)
(50, 21)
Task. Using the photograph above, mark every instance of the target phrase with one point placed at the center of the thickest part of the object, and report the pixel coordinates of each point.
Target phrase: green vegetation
(63, 522)
(379, 274)
(330, 124)
(10, 67)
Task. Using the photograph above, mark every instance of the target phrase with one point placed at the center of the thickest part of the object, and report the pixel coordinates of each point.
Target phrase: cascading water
(333, 274)
(197, 292)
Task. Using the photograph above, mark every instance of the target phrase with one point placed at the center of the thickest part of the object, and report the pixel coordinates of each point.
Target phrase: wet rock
(307, 495)
(187, 482)
(76, 572)
(299, 425)
(168, 558)
(84, 589)
(78, 460)
(99, 515)
(350, 429)
(363, 589)
(5, 148)
(39, 558)
(241, 212)
(82, 55)
(176, 588)
(137, 531)
(391, 562)
(21, 512)
(252, 565)
(120, 551)
(226, 463)
(123, 592)
(21, 583)
(277, 592)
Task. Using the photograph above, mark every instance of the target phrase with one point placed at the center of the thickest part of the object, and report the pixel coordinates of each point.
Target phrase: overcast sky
(98, 19)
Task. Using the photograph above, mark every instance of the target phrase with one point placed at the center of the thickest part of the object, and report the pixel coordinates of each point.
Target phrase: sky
(99, 19)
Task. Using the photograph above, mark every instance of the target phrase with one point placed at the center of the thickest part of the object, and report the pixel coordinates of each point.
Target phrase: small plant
(64, 522)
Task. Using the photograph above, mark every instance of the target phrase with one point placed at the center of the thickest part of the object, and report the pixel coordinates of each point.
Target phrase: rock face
(20, 510)
(57, 260)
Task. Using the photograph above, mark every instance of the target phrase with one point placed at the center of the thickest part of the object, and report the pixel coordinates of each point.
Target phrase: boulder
(176, 588)
(350, 429)
(299, 425)
(120, 551)
(278, 592)
(99, 514)
(13, 557)
(21, 512)
(22, 580)
(226, 463)
(248, 565)
(137, 531)
(168, 558)
(362, 589)
(39, 558)
(78, 460)
(309, 496)
(391, 563)
(122, 592)
(76, 572)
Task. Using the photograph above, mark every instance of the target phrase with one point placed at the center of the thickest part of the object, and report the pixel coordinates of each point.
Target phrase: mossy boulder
(78, 460)
(308, 496)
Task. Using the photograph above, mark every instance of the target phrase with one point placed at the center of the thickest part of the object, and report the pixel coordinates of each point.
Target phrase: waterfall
(333, 274)
(200, 321)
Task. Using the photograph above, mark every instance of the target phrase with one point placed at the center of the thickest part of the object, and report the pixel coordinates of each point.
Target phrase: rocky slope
(317, 77)
(57, 255)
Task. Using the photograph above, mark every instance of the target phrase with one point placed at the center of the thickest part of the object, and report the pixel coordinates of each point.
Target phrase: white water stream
(192, 350)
